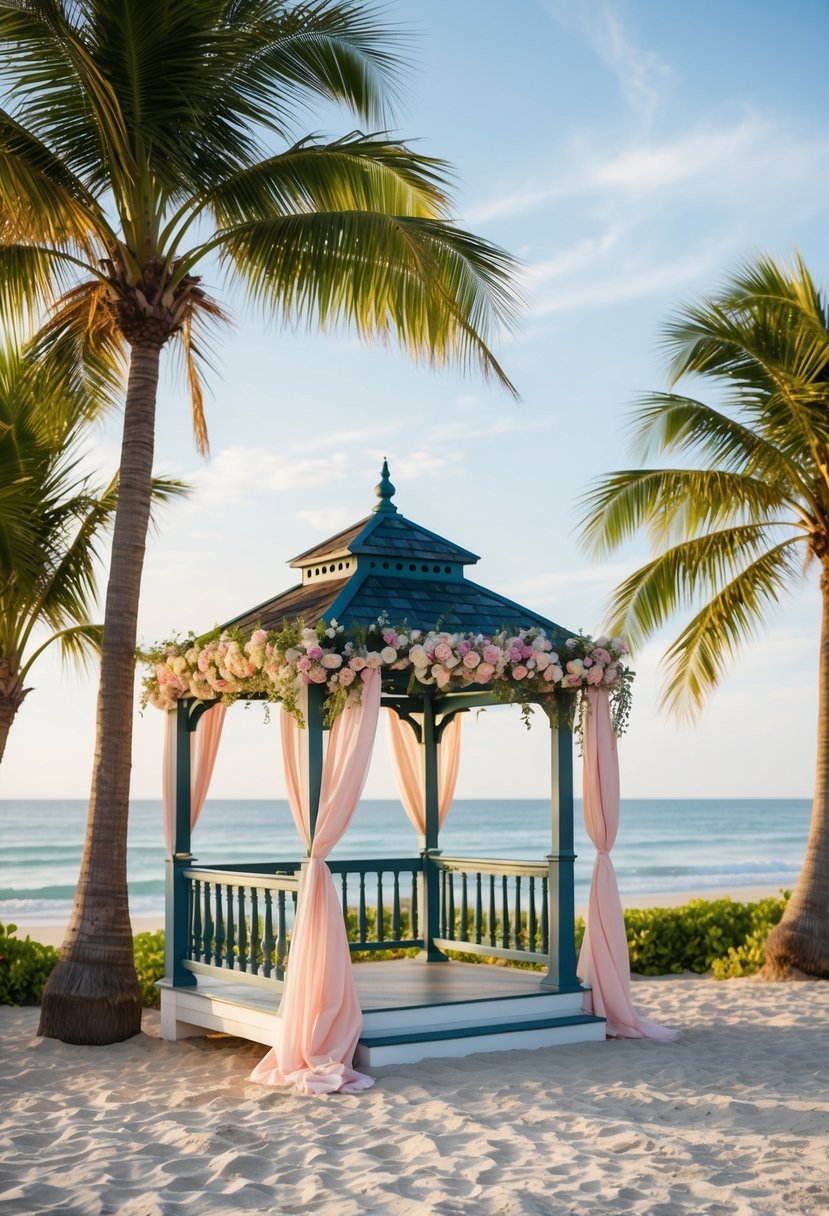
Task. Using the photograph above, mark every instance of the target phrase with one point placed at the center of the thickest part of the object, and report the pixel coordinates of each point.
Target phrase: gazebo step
(453, 1040)
(479, 1011)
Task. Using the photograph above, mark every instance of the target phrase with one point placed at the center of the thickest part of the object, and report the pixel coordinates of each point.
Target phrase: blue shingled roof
(403, 589)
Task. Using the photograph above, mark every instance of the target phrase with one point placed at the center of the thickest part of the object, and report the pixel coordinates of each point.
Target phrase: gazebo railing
(380, 902)
(241, 920)
(495, 908)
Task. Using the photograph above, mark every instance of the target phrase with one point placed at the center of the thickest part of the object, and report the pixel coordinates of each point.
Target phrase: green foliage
(748, 958)
(703, 935)
(149, 965)
(24, 967)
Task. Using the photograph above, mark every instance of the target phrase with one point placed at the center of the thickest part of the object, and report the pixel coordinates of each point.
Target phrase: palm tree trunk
(801, 940)
(11, 698)
(93, 996)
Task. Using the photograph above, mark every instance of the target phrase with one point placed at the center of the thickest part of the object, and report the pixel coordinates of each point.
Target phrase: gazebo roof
(386, 563)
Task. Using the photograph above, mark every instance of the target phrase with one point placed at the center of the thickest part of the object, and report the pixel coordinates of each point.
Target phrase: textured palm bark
(801, 941)
(93, 996)
(11, 698)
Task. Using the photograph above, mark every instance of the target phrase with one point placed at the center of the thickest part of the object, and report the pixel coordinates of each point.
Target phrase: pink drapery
(604, 962)
(408, 767)
(204, 745)
(320, 1016)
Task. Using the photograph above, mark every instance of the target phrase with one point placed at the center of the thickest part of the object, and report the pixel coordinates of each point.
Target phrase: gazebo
(230, 932)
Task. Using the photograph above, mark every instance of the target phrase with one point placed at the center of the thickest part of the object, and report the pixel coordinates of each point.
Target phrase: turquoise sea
(663, 846)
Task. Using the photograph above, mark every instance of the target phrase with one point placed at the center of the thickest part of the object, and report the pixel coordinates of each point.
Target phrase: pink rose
(317, 674)
(519, 672)
(315, 652)
(304, 663)
(346, 676)
(492, 654)
(442, 676)
(484, 673)
(443, 651)
(357, 663)
(258, 638)
(471, 659)
(390, 637)
(571, 681)
(594, 675)
(611, 674)
(601, 656)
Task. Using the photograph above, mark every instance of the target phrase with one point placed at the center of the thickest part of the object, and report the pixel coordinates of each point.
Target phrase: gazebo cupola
(386, 563)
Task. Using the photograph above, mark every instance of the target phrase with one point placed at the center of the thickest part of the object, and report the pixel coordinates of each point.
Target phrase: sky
(631, 154)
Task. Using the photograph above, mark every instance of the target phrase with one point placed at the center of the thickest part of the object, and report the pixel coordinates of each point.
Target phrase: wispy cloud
(238, 474)
(329, 520)
(549, 582)
(632, 280)
(640, 72)
(752, 158)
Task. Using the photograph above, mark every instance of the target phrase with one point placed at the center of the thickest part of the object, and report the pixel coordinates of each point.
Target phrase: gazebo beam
(430, 904)
(561, 972)
(176, 928)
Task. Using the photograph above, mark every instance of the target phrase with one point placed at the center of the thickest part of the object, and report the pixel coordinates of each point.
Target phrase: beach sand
(732, 1118)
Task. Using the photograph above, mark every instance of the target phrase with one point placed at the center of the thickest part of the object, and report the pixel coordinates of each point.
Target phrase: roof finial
(384, 491)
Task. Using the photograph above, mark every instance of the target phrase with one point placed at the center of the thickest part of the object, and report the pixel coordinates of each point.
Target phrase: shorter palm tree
(736, 532)
(52, 520)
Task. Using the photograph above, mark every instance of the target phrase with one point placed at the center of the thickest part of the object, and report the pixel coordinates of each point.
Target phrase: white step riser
(551, 1005)
(184, 1015)
(521, 1040)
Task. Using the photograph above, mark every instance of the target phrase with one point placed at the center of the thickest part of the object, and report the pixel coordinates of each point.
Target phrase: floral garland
(517, 666)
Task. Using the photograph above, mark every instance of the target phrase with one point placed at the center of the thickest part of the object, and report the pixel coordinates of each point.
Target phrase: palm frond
(687, 573)
(440, 291)
(668, 422)
(356, 173)
(79, 644)
(670, 502)
(698, 659)
(340, 50)
(40, 198)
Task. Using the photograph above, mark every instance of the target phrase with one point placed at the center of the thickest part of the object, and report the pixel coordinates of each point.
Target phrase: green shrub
(149, 965)
(699, 934)
(24, 967)
(749, 957)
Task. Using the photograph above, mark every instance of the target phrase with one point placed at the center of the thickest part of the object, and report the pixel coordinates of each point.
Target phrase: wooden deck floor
(400, 984)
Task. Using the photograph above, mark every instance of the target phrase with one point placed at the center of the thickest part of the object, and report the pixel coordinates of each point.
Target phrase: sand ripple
(730, 1120)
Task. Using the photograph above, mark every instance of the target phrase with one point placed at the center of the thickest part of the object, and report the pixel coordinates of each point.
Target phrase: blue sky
(630, 154)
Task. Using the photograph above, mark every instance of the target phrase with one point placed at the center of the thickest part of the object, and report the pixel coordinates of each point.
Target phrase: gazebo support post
(177, 903)
(430, 901)
(561, 968)
(314, 714)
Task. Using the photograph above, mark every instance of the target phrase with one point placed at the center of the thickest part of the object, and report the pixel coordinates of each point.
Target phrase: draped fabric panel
(408, 767)
(320, 1016)
(204, 746)
(604, 962)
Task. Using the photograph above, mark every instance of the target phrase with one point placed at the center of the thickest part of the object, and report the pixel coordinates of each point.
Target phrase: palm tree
(52, 520)
(736, 532)
(143, 140)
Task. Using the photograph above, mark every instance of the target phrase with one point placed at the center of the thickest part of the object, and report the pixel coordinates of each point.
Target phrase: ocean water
(663, 845)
